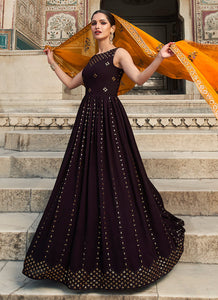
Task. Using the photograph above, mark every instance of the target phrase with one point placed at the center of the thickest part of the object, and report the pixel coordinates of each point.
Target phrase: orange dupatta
(192, 61)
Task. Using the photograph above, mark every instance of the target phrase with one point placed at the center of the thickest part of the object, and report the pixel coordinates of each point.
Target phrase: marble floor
(185, 281)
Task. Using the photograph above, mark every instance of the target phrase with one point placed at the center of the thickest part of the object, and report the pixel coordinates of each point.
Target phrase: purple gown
(105, 225)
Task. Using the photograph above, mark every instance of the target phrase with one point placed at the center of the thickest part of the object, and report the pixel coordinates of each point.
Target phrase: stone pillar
(93, 6)
(7, 24)
(185, 10)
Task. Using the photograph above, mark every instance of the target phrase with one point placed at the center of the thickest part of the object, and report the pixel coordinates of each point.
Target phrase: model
(105, 225)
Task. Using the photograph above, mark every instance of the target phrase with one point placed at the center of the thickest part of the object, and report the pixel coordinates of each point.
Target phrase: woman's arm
(124, 61)
(71, 83)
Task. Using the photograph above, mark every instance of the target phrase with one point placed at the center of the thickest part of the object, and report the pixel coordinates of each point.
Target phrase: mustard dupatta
(192, 61)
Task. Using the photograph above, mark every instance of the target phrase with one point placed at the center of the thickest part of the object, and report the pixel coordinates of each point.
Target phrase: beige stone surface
(12, 245)
(201, 241)
(36, 165)
(191, 165)
(11, 199)
(185, 281)
(178, 141)
(189, 197)
(182, 197)
(13, 234)
(190, 281)
(5, 166)
(41, 106)
(18, 285)
(185, 11)
(182, 165)
(57, 140)
(14, 283)
(32, 230)
(171, 104)
(20, 195)
(2, 264)
(37, 141)
(191, 203)
(3, 131)
(39, 199)
(26, 75)
(200, 249)
(9, 15)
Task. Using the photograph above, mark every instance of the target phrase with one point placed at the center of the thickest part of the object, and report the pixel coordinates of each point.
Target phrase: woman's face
(101, 27)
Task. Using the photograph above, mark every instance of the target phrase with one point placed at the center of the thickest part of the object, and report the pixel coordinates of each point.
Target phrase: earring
(111, 37)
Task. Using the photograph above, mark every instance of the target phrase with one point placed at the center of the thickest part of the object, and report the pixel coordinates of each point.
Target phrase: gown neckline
(105, 52)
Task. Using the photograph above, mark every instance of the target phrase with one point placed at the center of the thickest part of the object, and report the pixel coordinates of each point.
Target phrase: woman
(105, 226)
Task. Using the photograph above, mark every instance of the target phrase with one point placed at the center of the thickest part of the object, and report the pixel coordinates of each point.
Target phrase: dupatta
(192, 61)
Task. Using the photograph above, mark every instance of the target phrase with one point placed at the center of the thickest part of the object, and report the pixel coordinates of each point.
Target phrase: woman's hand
(50, 56)
(71, 83)
(124, 60)
(166, 52)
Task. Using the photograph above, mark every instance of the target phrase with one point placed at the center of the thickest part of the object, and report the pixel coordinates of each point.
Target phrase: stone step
(167, 120)
(201, 242)
(165, 165)
(185, 282)
(132, 104)
(181, 197)
(50, 140)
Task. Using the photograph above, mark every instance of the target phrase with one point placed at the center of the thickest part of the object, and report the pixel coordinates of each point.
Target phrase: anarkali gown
(105, 225)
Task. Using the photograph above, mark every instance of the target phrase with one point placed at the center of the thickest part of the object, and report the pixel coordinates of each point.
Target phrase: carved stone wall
(205, 21)
(51, 22)
(63, 18)
(29, 20)
(34, 23)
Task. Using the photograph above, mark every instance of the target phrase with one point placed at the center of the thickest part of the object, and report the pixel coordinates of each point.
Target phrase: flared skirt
(105, 225)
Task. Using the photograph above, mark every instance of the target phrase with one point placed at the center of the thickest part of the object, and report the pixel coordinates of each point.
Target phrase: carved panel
(60, 25)
(205, 21)
(63, 18)
(29, 19)
(181, 121)
(61, 2)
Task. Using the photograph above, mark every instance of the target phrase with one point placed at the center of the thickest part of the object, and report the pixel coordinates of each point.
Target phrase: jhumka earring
(111, 37)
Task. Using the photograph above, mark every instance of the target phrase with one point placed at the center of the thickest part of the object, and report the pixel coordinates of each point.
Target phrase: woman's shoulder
(121, 51)
(122, 57)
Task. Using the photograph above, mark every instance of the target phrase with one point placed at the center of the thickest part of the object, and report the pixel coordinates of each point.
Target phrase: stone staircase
(178, 141)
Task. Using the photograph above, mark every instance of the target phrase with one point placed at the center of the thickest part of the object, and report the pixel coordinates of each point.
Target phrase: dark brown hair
(109, 16)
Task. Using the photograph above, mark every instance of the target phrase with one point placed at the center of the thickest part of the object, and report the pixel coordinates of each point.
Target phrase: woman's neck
(104, 46)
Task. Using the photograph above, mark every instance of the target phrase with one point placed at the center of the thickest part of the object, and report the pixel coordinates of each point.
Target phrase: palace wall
(30, 24)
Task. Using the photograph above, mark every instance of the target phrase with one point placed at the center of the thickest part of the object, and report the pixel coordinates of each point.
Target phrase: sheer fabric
(192, 61)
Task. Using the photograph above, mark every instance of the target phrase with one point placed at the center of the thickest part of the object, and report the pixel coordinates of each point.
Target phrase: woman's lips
(97, 32)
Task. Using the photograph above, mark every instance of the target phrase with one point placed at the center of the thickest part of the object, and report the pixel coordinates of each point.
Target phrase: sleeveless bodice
(100, 76)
